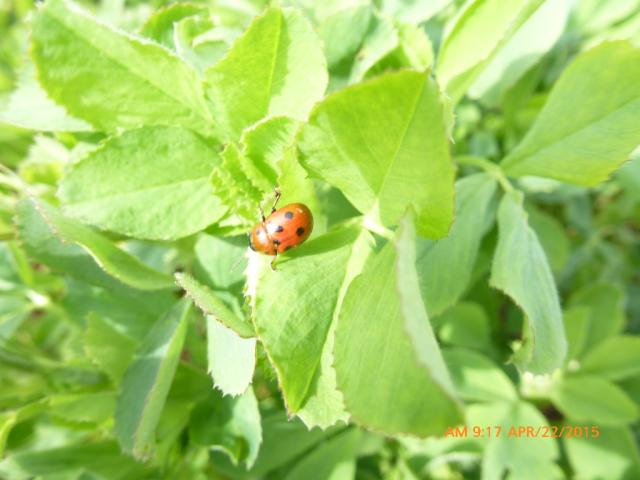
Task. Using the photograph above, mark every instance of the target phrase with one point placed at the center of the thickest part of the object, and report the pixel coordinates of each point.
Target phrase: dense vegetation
(473, 171)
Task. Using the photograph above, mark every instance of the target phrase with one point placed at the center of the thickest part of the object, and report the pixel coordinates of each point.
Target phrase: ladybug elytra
(283, 229)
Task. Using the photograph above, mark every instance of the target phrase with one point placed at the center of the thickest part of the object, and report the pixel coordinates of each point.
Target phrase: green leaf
(383, 144)
(129, 311)
(298, 333)
(221, 260)
(383, 329)
(445, 266)
(479, 31)
(415, 11)
(191, 384)
(102, 459)
(206, 300)
(586, 398)
(116, 262)
(380, 40)
(14, 310)
(603, 301)
(269, 146)
(613, 454)
(43, 244)
(465, 325)
(200, 42)
(299, 188)
(631, 386)
(267, 159)
(250, 171)
(160, 25)
(585, 145)
(111, 350)
(576, 326)
(552, 237)
(342, 33)
(149, 183)
(477, 378)
(231, 358)
(147, 381)
(284, 440)
(124, 80)
(13, 267)
(25, 411)
(333, 459)
(275, 68)
(91, 408)
(7, 422)
(523, 50)
(615, 358)
(29, 107)
(230, 425)
(522, 457)
(235, 187)
(629, 174)
(265, 143)
(520, 269)
(45, 162)
(414, 50)
(592, 16)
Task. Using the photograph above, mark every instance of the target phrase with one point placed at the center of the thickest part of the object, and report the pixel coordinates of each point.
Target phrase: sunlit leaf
(141, 184)
(230, 425)
(275, 68)
(613, 453)
(477, 33)
(382, 329)
(207, 301)
(298, 333)
(586, 398)
(110, 349)
(231, 358)
(29, 107)
(477, 378)
(585, 145)
(615, 358)
(520, 269)
(125, 81)
(116, 262)
(445, 266)
(383, 144)
(147, 382)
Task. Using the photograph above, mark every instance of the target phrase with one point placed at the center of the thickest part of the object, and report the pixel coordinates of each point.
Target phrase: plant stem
(489, 167)
(373, 226)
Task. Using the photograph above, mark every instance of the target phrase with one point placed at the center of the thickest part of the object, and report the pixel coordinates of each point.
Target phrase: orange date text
(523, 431)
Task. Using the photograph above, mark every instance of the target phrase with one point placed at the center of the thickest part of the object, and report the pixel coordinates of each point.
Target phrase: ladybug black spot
(279, 229)
(300, 231)
(288, 215)
(276, 242)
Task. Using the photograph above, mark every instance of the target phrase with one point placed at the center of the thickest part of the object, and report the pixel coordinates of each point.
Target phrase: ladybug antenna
(277, 194)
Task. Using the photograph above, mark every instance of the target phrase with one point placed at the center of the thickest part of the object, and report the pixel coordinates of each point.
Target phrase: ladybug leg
(278, 194)
(273, 262)
(262, 217)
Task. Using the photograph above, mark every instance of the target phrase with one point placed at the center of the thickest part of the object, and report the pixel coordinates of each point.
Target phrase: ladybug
(283, 229)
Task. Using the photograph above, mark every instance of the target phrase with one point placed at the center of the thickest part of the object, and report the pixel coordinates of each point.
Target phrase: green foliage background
(474, 174)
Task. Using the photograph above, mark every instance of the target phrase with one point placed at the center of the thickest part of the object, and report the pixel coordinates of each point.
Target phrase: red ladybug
(285, 228)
